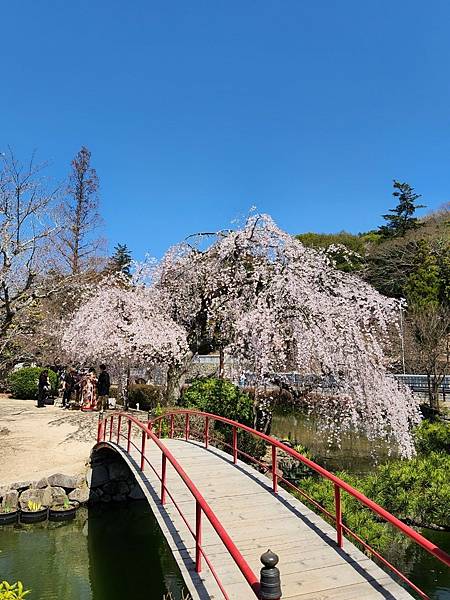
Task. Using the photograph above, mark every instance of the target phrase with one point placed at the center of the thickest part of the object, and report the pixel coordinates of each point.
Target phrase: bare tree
(26, 230)
(78, 244)
(427, 346)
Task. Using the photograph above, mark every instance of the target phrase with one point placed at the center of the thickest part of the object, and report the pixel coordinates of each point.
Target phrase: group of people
(78, 389)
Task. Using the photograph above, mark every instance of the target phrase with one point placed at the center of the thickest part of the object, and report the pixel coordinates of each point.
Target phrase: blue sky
(195, 111)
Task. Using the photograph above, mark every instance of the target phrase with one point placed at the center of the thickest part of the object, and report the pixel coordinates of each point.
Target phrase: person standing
(89, 391)
(43, 388)
(68, 387)
(103, 385)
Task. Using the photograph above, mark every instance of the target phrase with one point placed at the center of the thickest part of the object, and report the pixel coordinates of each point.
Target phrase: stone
(110, 488)
(80, 494)
(123, 487)
(136, 493)
(11, 499)
(65, 481)
(119, 470)
(81, 479)
(34, 495)
(97, 476)
(20, 485)
(47, 496)
(42, 483)
(59, 495)
(119, 498)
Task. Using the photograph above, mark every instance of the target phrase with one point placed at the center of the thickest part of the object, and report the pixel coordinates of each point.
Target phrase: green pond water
(356, 456)
(113, 552)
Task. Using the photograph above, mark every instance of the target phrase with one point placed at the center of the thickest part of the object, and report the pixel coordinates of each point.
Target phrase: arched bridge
(219, 513)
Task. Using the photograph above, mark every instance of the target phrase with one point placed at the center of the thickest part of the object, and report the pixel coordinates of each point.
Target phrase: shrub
(13, 591)
(147, 396)
(219, 397)
(23, 383)
(224, 399)
(114, 392)
(432, 436)
(417, 491)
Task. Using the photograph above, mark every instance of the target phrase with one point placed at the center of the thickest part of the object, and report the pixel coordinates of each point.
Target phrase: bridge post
(144, 436)
(111, 427)
(198, 537)
(274, 470)
(270, 583)
(129, 437)
(338, 508)
(172, 428)
(234, 445)
(119, 423)
(206, 431)
(163, 479)
(100, 426)
(186, 427)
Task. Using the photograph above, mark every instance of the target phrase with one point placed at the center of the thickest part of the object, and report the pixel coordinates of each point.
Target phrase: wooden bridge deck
(312, 566)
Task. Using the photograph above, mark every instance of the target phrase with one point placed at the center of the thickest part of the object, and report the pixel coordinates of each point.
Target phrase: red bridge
(219, 514)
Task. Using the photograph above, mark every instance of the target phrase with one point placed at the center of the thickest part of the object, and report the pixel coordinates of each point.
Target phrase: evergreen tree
(424, 284)
(120, 261)
(402, 218)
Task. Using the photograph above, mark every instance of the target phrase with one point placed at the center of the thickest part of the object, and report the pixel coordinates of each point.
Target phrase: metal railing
(339, 484)
(106, 430)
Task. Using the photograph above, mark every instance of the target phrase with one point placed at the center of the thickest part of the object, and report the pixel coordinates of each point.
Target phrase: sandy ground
(36, 442)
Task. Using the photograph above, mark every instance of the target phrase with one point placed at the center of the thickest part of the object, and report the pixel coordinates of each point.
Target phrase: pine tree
(120, 261)
(402, 218)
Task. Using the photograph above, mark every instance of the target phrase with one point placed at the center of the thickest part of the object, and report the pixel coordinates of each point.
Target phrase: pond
(111, 552)
(354, 456)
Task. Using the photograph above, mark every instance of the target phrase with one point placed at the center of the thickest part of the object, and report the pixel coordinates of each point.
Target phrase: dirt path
(38, 442)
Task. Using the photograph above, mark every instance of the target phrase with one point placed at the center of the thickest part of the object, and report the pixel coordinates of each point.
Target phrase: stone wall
(108, 479)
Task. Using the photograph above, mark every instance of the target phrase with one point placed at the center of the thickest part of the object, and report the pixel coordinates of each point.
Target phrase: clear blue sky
(195, 111)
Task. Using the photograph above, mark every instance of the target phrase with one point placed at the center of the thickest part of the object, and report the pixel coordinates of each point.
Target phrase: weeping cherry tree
(273, 305)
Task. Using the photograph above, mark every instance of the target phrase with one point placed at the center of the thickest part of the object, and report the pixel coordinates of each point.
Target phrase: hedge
(23, 383)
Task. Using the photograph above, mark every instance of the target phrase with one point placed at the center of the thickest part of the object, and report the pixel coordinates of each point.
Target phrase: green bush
(12, 591)
(417, 491)
(147, 396)
(23, 383)
(220, 397)
(432, 436)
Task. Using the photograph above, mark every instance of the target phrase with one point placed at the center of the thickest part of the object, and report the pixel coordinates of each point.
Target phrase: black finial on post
(270, 584)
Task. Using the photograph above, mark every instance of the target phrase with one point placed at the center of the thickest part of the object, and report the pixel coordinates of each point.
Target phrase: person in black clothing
(43, 388)
(69, 385)
(103, 385)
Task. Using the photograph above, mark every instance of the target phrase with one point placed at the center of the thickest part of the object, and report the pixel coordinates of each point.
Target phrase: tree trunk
(124, 385)
(221, 363)
(176, 376)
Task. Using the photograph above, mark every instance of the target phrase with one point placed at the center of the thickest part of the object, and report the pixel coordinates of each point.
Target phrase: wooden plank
(311, 565)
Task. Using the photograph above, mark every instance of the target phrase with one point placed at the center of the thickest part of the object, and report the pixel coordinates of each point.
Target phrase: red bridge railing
(339, 485)
(106, 430)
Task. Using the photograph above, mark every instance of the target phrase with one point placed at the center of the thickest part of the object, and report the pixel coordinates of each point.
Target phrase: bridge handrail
(339, 484)
(240, 561)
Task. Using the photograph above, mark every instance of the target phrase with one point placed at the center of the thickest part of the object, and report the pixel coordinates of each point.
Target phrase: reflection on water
(113, 552)
(356, 454)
